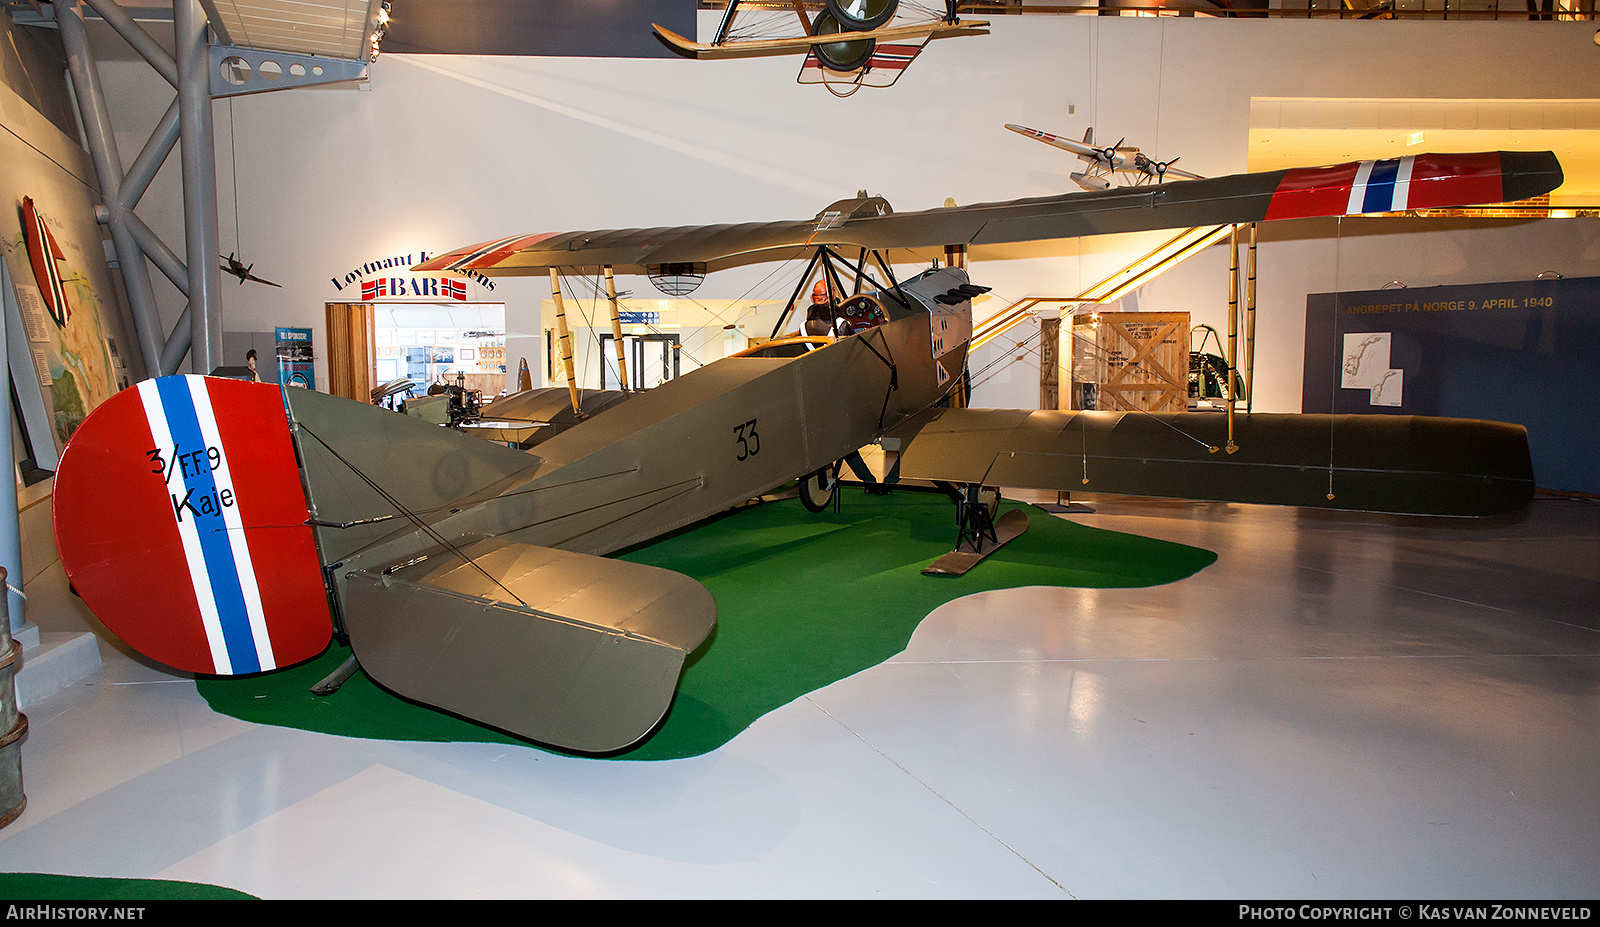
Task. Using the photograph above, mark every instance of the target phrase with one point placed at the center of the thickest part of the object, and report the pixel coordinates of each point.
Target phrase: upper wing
(1419, 182)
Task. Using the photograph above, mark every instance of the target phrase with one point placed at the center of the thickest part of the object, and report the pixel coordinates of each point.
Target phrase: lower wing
(1380, 463)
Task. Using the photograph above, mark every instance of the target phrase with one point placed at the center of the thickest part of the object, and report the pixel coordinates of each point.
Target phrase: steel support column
(199, 160)
(108, 170)
(10, 528)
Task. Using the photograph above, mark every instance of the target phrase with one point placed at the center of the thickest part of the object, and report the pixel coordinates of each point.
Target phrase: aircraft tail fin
(569, 649)
(181, 523)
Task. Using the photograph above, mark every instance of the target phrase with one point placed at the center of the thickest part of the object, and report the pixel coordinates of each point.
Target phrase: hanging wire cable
(1338, 238)
(233, 152)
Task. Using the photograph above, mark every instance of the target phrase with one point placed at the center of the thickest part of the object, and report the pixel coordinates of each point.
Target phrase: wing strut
(788, 308)
(616, 330)
(826, 255)
(566, 341)
(1233, 327)
(1250, 327)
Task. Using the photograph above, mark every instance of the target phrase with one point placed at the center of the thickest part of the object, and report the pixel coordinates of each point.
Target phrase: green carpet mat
(35, 886)
(803, 600)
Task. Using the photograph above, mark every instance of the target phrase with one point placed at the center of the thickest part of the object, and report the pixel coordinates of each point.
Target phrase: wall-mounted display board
(66, 307)
(1524, 351)
(295, 357)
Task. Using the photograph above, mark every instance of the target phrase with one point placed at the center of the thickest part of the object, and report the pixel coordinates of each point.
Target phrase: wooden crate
(1134, 361)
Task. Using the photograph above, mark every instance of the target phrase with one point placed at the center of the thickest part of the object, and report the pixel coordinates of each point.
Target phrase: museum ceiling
(1284, 132)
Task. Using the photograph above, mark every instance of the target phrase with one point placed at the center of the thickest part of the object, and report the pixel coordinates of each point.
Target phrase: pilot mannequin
(820, 317)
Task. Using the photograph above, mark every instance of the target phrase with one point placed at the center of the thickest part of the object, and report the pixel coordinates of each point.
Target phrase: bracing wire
(982, 375)
(409, 515)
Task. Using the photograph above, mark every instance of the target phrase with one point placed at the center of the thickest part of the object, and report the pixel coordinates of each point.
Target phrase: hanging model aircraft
(236, 267)
(849, 43)
(227, 527)
(1113, 162)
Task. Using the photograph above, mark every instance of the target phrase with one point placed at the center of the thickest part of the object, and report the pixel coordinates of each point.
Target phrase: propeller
(1156, 169)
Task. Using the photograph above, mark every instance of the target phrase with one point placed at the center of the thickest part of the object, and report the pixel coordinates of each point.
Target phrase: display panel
(1521, 351)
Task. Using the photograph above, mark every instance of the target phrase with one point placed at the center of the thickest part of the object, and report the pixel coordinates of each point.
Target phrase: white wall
(443, 151)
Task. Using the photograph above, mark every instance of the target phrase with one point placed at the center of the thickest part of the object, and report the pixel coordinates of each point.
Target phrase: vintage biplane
(1124, 163)
(226, 527)
(848, 44)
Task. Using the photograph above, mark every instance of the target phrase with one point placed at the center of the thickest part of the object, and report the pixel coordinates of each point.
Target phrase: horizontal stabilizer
(1377, 463)
(546, 411)
(568, 649)
(366, 467)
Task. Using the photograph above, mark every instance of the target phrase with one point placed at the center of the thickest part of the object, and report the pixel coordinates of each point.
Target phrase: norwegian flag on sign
(455, 289)
(374, 288)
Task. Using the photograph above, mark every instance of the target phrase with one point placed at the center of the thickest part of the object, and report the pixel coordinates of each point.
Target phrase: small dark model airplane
(252, 522)
(235, 267)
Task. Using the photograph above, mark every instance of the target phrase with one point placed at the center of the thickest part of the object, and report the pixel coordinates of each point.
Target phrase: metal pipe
(1156, 262)
(616, 329)
(1250, 327)
(147, 47)
(566, 341)
(176, 346)
(101, 141)
(10, 525)
(150, 159)
(159, 254)
(199, 159)
(1233, 327)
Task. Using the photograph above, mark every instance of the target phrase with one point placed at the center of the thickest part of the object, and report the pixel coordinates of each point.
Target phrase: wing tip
(1527, 174)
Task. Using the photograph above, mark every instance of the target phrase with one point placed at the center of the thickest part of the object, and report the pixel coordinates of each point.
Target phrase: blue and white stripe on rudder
(182, 423)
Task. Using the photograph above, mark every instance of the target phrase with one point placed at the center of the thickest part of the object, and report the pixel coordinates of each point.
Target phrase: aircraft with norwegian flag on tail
(226, 527)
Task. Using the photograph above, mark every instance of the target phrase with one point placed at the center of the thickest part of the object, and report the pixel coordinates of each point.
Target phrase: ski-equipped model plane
(847, 43)
(1113, 162)
(227, 527)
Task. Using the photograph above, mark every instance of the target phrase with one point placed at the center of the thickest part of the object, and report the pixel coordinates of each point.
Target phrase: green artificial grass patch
(803, 600)
(34, 886)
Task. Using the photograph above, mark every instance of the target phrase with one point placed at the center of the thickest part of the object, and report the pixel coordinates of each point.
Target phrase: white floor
(1342, 706)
